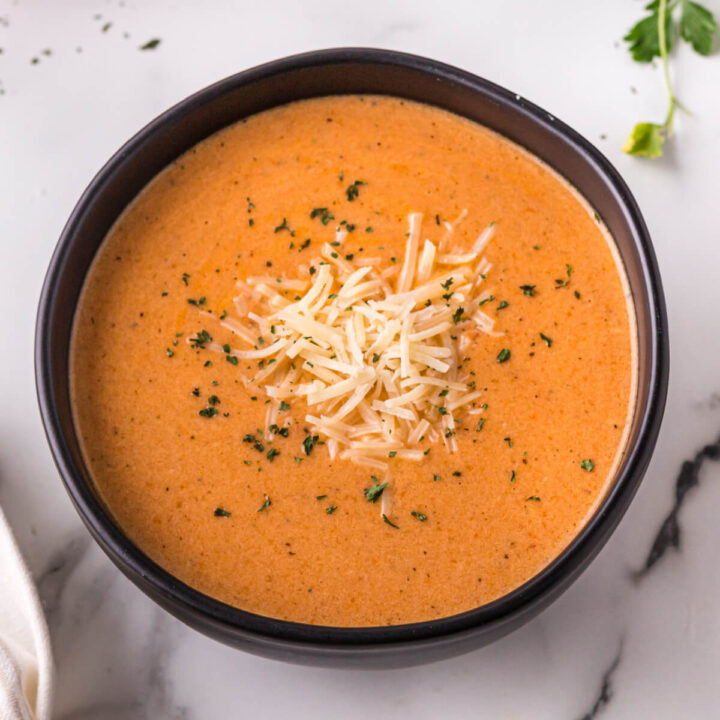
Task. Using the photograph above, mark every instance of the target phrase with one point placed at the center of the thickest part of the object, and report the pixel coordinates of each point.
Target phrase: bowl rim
(223, 618)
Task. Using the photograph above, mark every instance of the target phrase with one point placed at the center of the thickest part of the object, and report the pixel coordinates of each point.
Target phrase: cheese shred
(376, 368)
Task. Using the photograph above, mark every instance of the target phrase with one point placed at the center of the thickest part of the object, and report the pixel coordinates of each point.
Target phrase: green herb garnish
(150, 44)
(389, 522)
(654, 36)
(323, 213)
(284, 226)
(588, 465)
(373, 493)
(352, 191)
(547, 340)
(219, 512)
(528, 290)
(266, 504)
(201, 339)
(559, 283)
(330, 510)
(208, 412)
(309, 443)
(503, 355)
(418, 515)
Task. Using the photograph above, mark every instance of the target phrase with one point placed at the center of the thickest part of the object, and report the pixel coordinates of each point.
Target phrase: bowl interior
(324, 73)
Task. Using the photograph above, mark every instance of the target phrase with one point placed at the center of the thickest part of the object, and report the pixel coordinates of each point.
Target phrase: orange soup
(354, 361)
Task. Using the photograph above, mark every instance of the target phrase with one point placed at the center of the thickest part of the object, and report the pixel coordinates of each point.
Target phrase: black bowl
(323, 73)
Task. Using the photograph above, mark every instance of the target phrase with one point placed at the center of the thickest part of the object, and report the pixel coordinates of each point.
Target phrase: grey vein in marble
(668, 536)
(51, 582)
(606, 689)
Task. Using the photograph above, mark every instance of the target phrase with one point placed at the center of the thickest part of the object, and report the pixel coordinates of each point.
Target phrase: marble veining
(51, 582)
(606, 689)
(669, 534)
(118, 655)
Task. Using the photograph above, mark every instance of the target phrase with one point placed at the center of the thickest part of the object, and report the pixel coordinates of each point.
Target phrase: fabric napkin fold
(26, 670)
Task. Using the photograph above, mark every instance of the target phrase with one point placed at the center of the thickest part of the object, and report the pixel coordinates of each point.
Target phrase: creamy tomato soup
(354, 361)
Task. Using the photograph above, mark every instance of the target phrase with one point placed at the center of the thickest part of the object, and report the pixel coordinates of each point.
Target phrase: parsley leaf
(309, 443)
(352, 191)
(284, 226)
(560, 283)
(644, 36)
(547, 340)
(457, 315)
(373, 493)
(323, 213)
(201, 339)
(697, 26)
(389, 522)
(646, 140)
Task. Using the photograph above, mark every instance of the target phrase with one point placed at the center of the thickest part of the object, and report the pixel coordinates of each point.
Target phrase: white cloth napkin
(25, 659)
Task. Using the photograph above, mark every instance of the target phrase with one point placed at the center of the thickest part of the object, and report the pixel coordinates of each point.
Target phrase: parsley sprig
(654, 36)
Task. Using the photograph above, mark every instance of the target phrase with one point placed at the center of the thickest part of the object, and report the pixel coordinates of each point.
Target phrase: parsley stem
(666, 68)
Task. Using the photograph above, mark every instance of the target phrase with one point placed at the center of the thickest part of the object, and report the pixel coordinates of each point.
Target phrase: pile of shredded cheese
(372, 351)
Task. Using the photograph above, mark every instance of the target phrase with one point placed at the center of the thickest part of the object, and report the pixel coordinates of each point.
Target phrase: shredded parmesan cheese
(376, 367)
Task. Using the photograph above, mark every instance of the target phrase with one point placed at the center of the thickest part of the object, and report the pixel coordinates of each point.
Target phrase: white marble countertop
(118, 655)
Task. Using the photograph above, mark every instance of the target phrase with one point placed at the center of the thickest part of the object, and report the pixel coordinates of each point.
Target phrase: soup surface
(177, 440)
